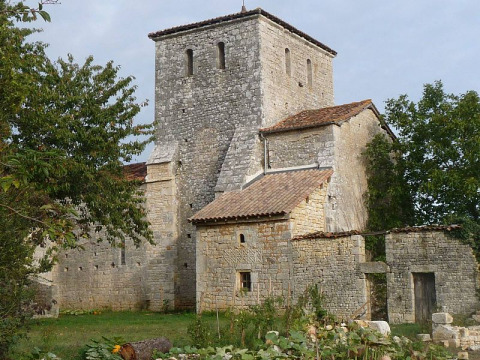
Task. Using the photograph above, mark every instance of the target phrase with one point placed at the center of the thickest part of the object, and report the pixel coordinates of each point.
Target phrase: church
(255, 188)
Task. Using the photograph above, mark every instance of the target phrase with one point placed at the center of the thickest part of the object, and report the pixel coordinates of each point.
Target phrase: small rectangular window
(288, 66)
(189, 62)
(309, 72)
(221, 55)
(123, 255)
(245, 281)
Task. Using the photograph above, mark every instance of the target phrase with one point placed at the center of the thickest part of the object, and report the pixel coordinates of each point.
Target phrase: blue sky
(385, 48)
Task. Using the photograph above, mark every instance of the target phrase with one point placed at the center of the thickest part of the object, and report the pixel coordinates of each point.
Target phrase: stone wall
(453, 264)
(332, 264)
(341, 148)
(202, 112)
(301, 147)
(266, 254)
(95, 277)
(285, 93)
(162, 212)
(346, 210)
(309, 215)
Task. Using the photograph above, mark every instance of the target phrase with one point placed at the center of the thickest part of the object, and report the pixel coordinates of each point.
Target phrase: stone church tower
(217, 83)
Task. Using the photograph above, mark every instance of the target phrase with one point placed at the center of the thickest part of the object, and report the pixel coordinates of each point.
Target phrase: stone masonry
(214, 114)
(255, 187)
(453, 264)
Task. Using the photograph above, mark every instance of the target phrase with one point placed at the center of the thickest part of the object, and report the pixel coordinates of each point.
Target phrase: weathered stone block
(442, 318)
(424, 337)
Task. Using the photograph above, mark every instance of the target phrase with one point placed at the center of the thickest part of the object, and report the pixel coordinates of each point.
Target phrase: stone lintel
(374, 267)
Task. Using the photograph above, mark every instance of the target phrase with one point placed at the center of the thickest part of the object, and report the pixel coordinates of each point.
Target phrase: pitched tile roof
(135, 171)
(241, 15)
(321, 117)
(273, 194)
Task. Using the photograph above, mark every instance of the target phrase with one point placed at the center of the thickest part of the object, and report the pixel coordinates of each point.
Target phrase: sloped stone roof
(241, 15)
(321, 117)
(273, 194)
(135, 171)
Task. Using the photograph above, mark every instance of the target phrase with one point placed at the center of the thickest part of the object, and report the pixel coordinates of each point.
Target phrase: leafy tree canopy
(431, 173)
(65, 132)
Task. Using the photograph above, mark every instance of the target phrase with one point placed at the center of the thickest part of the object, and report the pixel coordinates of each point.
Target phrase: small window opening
(185, 265)
(96, 267)
(245, 281)
(288, 66)
(221, 55)
(112, 264)
(307, 200)
(65, 269)
(123, 255)
(189, 62)
(309, 72)
(189, 236)
(191, 206)
(66, 256)
(242, 239)
(80, 268)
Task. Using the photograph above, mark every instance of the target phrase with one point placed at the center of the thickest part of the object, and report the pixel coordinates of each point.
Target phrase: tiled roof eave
(292, 128)
(251, 217)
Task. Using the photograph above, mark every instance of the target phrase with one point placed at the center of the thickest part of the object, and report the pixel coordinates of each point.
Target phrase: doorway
(425, 296)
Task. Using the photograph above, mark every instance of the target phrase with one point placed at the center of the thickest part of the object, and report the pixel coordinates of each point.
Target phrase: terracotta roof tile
(136, 171)
(273, 194)
(241, 15)
(326, 235)
(320, 117)
(423, 228)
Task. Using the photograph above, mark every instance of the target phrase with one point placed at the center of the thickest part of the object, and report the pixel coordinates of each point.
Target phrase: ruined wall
(332, 264)
(453, 264)
(95, 277)
(265, 254)
(287, 93)
(309, 215)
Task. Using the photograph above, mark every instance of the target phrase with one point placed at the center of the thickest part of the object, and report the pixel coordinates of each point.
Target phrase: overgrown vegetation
(304, 331)
(65, 131)
(430, 174)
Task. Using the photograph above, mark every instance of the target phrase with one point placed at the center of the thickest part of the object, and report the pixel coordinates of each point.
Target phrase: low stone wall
(453, 264)
(332, 264)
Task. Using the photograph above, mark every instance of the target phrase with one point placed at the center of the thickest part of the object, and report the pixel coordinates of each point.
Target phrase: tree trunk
(143, 350)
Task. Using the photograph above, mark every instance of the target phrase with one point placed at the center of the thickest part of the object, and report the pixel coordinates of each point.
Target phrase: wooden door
(425, 296)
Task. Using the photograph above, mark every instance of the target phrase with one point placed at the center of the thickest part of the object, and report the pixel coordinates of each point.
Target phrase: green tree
(65, 132)
(434, 164)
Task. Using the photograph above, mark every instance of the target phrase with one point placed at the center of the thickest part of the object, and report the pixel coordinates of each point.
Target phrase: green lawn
(68, 334)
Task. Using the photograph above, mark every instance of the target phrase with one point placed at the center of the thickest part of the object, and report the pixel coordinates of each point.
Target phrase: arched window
(288, 66)
(309, 72)
(242, 239)
(189, 62)
(221, 55)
